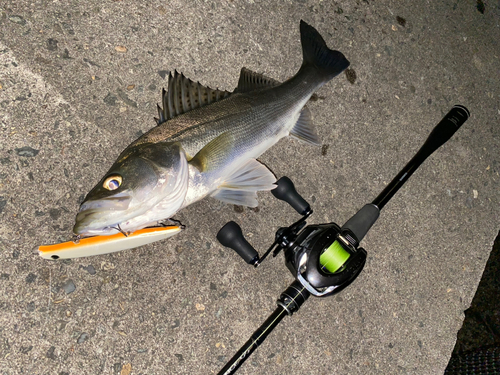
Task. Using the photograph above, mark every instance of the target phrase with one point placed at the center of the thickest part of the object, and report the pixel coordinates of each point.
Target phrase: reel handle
(230, 235)
(285, 191)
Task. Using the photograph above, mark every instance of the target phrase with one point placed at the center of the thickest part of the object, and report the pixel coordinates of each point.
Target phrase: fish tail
(326, 62)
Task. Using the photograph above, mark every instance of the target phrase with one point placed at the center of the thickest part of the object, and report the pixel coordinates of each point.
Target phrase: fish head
(142, 177)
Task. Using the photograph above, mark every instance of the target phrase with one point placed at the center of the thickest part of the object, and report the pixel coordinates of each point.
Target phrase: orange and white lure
(98, 245)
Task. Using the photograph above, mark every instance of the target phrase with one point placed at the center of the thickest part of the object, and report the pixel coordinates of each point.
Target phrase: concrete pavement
(79, 81)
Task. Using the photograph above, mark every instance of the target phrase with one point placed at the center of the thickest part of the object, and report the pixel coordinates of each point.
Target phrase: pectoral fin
(304, 129)
(214, 154)
(241, 187)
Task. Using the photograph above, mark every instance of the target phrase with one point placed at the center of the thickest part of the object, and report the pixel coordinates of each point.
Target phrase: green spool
(334, 257)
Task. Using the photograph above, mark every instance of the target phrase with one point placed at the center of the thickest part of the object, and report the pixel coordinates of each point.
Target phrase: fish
(206, 143)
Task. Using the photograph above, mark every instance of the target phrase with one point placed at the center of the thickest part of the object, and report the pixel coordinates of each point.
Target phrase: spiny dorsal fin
(250, 81)
(184, 95)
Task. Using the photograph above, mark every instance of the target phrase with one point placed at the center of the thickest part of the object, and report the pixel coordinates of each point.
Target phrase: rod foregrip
(362, 221)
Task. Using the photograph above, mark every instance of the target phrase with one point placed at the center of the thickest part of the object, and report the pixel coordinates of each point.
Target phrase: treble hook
(121, 230)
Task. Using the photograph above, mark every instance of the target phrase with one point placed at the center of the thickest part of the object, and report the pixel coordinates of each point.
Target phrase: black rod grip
(439, 136)
(362, 221)
(443, 131)
(231, 236)
(285, 191)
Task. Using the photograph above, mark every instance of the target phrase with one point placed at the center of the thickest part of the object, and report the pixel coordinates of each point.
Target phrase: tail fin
(316, 54)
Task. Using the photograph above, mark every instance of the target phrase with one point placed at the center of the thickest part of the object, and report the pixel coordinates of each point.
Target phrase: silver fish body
(208, 149)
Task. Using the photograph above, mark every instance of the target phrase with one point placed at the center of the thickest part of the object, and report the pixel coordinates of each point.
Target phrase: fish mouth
(88, 223)
(102, 216)
(85, 232)
(115, 203)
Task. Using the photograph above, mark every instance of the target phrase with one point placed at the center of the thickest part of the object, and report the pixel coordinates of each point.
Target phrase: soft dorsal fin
(250, 81)
(184, 95)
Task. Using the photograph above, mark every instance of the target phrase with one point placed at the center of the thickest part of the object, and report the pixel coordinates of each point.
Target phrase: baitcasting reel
(324, 258)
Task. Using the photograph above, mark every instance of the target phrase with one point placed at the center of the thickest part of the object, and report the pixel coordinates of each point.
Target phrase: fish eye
(112, 182)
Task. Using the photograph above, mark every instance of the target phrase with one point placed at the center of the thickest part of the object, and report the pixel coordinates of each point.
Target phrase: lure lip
(97, 245)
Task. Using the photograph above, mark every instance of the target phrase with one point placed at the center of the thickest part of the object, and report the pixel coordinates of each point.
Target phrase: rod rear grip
(443, 131)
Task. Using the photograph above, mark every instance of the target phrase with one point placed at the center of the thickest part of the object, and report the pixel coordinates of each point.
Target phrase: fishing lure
(98, 245)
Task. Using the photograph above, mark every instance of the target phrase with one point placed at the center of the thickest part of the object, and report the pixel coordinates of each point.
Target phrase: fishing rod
(324, 258)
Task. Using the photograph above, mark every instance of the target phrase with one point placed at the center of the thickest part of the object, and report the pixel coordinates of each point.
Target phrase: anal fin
(304, 129)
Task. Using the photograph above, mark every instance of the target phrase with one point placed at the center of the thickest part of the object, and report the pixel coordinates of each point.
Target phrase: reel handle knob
(231, 236)
(285, 191)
